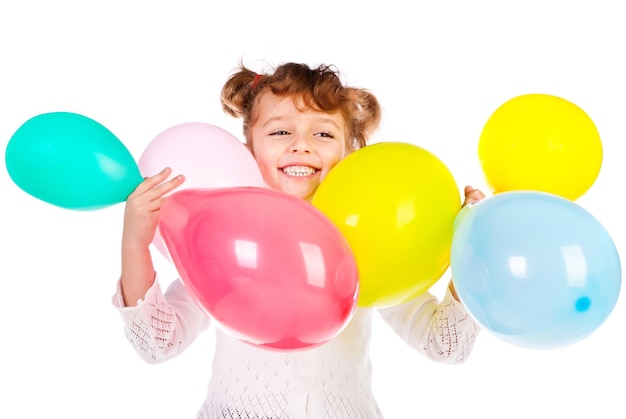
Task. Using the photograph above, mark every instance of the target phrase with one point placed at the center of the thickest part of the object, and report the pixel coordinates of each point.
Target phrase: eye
(325, 135)
(280, 132)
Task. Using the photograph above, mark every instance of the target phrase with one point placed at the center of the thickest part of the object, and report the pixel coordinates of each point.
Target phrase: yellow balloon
(543, 143)
(395, 204)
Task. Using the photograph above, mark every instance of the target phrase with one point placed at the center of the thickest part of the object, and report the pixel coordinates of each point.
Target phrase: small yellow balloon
(543, 143)
(395, 204)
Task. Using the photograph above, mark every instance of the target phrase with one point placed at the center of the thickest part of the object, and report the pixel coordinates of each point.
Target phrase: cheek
(264, 166)
(335, 162)
(267, 165)
(335, 156)
(330, 162)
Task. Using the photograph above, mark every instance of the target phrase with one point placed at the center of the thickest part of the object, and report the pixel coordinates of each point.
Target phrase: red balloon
(269, 268)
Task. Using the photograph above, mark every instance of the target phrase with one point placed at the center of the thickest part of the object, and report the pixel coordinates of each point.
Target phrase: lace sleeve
(444, 332)
(162, 325)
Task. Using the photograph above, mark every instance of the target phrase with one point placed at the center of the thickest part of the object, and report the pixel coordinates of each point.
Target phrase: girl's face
(295, 150)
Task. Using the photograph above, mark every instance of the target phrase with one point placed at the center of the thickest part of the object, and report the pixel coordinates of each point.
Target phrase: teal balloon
(71, 161)
(536, 270)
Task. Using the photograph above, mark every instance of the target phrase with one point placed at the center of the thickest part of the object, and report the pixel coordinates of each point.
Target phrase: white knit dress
(331, 381)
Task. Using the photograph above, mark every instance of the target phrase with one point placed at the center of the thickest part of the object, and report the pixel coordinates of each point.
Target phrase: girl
(299, 122)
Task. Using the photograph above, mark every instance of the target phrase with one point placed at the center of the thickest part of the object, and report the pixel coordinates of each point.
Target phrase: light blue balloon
(535, 269)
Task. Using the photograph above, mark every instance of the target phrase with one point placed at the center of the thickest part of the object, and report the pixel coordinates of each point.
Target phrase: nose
(300, 144)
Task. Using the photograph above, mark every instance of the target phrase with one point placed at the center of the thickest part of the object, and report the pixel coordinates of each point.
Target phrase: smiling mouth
(299, 170)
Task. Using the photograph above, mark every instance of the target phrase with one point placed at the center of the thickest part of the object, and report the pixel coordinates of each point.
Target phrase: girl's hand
(141, 213)
(472, 196)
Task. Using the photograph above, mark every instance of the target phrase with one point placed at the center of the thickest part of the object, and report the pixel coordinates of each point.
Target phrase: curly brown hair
(317, 88)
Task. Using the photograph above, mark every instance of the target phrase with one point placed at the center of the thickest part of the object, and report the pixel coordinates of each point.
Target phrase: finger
(148, 196)
(154, 188)
(476, 194)
(168, 186)
(473, 197)
(152, 181)
(152, 199)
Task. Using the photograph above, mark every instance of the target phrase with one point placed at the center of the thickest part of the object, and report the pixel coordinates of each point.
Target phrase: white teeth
(299, 170)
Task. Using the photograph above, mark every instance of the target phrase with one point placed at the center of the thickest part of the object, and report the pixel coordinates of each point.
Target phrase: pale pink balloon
(269, 268)
(208, 157)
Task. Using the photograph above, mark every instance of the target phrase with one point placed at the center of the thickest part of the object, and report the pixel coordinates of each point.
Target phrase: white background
(439, 68)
